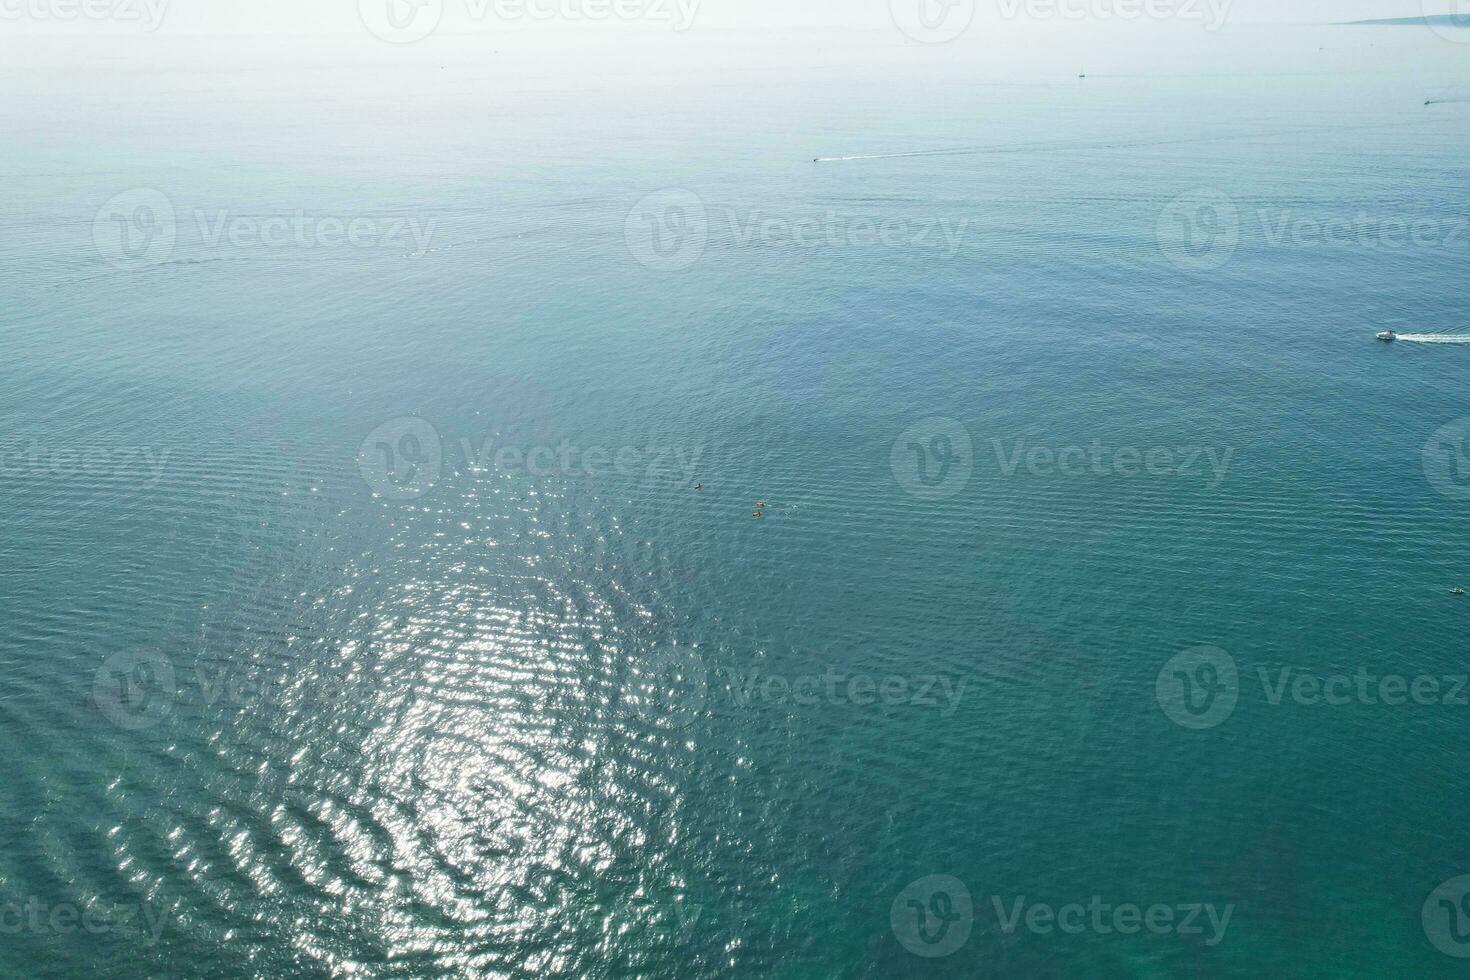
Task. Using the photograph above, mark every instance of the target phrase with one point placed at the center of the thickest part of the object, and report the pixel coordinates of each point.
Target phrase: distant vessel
(1388, 335)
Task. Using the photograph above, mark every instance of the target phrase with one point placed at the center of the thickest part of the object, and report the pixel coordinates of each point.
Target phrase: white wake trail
(1434, 338)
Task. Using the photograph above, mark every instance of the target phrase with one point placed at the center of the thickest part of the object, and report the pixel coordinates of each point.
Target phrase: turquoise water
(302, 682)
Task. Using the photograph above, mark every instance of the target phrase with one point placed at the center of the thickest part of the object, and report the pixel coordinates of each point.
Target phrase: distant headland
(1432, 20)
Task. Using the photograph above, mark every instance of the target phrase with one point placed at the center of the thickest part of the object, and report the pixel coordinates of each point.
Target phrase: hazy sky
(312, 17)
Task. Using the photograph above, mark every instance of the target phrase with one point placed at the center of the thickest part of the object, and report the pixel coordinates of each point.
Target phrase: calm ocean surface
(358, 615)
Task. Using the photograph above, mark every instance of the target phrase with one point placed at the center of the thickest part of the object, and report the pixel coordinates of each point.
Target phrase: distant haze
(319, 17)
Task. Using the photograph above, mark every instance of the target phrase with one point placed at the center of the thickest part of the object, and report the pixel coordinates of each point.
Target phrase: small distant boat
(1388, 336)
(1457, 591)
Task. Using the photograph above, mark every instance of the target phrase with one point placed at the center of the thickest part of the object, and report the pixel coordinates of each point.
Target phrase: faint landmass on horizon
(1433, 20)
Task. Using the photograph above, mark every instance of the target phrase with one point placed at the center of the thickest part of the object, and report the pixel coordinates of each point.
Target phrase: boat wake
(1434, 338)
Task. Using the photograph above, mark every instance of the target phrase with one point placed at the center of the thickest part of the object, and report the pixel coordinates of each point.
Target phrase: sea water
(360, 614)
